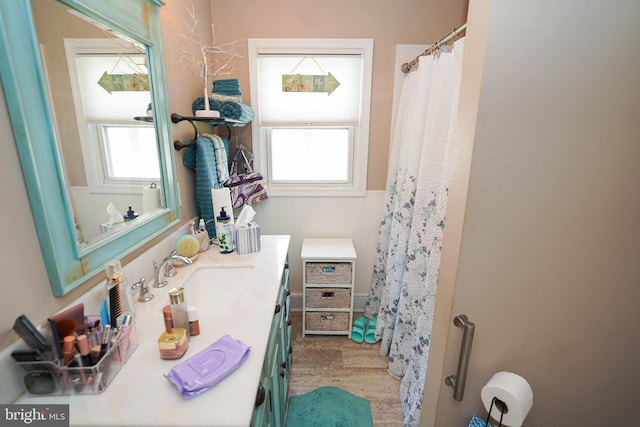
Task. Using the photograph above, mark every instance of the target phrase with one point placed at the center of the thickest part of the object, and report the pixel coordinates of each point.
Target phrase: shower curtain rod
(410, 66)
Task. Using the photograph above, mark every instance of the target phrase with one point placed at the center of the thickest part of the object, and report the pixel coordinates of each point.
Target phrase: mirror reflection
(98, 83)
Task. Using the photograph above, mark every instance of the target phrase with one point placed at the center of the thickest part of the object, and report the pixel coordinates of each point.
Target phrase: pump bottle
(224, 231)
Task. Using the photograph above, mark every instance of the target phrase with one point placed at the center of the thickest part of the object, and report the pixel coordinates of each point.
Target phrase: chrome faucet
(145, 294)
(167, 267)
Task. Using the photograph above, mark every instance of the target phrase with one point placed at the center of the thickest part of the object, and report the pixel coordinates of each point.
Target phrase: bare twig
(207, 61)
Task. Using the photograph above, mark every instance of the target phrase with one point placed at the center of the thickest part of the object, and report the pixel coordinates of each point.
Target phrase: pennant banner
(124, 82)
(309, 83)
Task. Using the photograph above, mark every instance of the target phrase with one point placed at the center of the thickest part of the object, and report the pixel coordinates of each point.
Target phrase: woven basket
(327, 321)
(327, 298)
(328, 273)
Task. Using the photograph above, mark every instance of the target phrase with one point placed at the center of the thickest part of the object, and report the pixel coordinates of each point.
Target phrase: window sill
(308, 191)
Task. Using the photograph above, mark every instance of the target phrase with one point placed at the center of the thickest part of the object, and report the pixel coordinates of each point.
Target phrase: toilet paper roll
(150, 199)
(221, 198)
(514, 391)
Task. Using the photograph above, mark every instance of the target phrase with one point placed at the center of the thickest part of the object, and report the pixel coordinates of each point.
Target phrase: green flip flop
(370, 334)
(357, 331)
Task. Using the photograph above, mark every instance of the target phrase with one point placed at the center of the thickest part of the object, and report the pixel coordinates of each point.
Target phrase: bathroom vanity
(245, 296)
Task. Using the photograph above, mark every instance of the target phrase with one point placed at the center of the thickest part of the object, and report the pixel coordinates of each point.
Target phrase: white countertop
(140, 394)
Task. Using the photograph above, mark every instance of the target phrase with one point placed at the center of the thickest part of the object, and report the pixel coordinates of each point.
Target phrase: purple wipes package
(207, 368)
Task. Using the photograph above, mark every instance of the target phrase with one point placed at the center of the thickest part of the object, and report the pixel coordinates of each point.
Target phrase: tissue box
(107, 227)
(248, 238)
(478, 422)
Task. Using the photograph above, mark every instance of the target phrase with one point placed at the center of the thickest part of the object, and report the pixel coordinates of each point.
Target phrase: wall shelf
(211, 121)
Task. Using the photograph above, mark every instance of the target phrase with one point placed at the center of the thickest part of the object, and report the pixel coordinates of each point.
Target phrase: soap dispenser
(131, 214)
(224, 231)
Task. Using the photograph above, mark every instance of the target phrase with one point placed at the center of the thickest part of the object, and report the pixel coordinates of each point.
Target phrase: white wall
(357, 218)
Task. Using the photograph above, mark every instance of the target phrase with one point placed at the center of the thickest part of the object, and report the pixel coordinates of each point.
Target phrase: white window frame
(99, 153)
(90, 132)
(359, 148)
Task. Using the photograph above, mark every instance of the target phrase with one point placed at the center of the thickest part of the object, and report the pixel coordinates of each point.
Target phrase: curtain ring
(437, 51)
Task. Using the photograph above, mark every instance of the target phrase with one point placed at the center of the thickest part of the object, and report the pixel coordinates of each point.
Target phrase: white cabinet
(328, 269)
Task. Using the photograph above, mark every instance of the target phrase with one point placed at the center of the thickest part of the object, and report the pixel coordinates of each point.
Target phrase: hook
(177, 118)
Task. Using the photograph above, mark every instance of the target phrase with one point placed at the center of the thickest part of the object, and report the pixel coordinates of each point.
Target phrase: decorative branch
(207, 61)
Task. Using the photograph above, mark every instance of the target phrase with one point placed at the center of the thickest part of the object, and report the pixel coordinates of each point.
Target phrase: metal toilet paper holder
(501, 406)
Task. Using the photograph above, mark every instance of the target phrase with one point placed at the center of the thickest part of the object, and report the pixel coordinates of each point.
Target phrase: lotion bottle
(179, 309)
(194, 323)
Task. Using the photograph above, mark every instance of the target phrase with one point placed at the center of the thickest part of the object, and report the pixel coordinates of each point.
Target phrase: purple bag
(246, 188)
(207, 368)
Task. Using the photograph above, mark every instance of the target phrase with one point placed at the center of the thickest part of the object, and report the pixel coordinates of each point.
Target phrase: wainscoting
(357, 218)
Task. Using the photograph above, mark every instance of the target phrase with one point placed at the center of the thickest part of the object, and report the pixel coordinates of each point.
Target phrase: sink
(218, 289)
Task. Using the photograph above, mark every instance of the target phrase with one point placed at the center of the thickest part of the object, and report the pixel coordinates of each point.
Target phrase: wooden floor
(326, 360)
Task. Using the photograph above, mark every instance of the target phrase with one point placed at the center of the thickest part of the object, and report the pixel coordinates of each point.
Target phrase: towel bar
(459, 380)
(177, 118)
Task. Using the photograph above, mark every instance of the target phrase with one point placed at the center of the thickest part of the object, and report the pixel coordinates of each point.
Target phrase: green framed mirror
(45, 130)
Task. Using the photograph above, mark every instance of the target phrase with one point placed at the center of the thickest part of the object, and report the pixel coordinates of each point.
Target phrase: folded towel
(226, 81)
(226, 84)
(232, 110)
(230, 92)
(236, 111)
(222, 98)
(198, 104)
(230, 87)
(229, 108)
(207, 368)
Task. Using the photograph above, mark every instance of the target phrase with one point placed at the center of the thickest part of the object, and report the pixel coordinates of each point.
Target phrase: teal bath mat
(328, 407)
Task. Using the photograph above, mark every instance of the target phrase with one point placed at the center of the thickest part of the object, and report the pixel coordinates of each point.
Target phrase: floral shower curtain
(403, 289)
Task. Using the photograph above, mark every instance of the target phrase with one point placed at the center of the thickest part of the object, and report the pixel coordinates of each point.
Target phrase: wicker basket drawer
(328, 273)
(327, 321)
(327, 298)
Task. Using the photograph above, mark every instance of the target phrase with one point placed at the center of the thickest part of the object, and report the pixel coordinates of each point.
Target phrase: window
(119, 153)
(311, 98)
(122, 148)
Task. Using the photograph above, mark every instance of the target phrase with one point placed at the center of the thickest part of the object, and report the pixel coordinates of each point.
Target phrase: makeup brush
(66, 327)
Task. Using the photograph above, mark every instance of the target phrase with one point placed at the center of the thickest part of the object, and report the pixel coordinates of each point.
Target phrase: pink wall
(388, 23)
